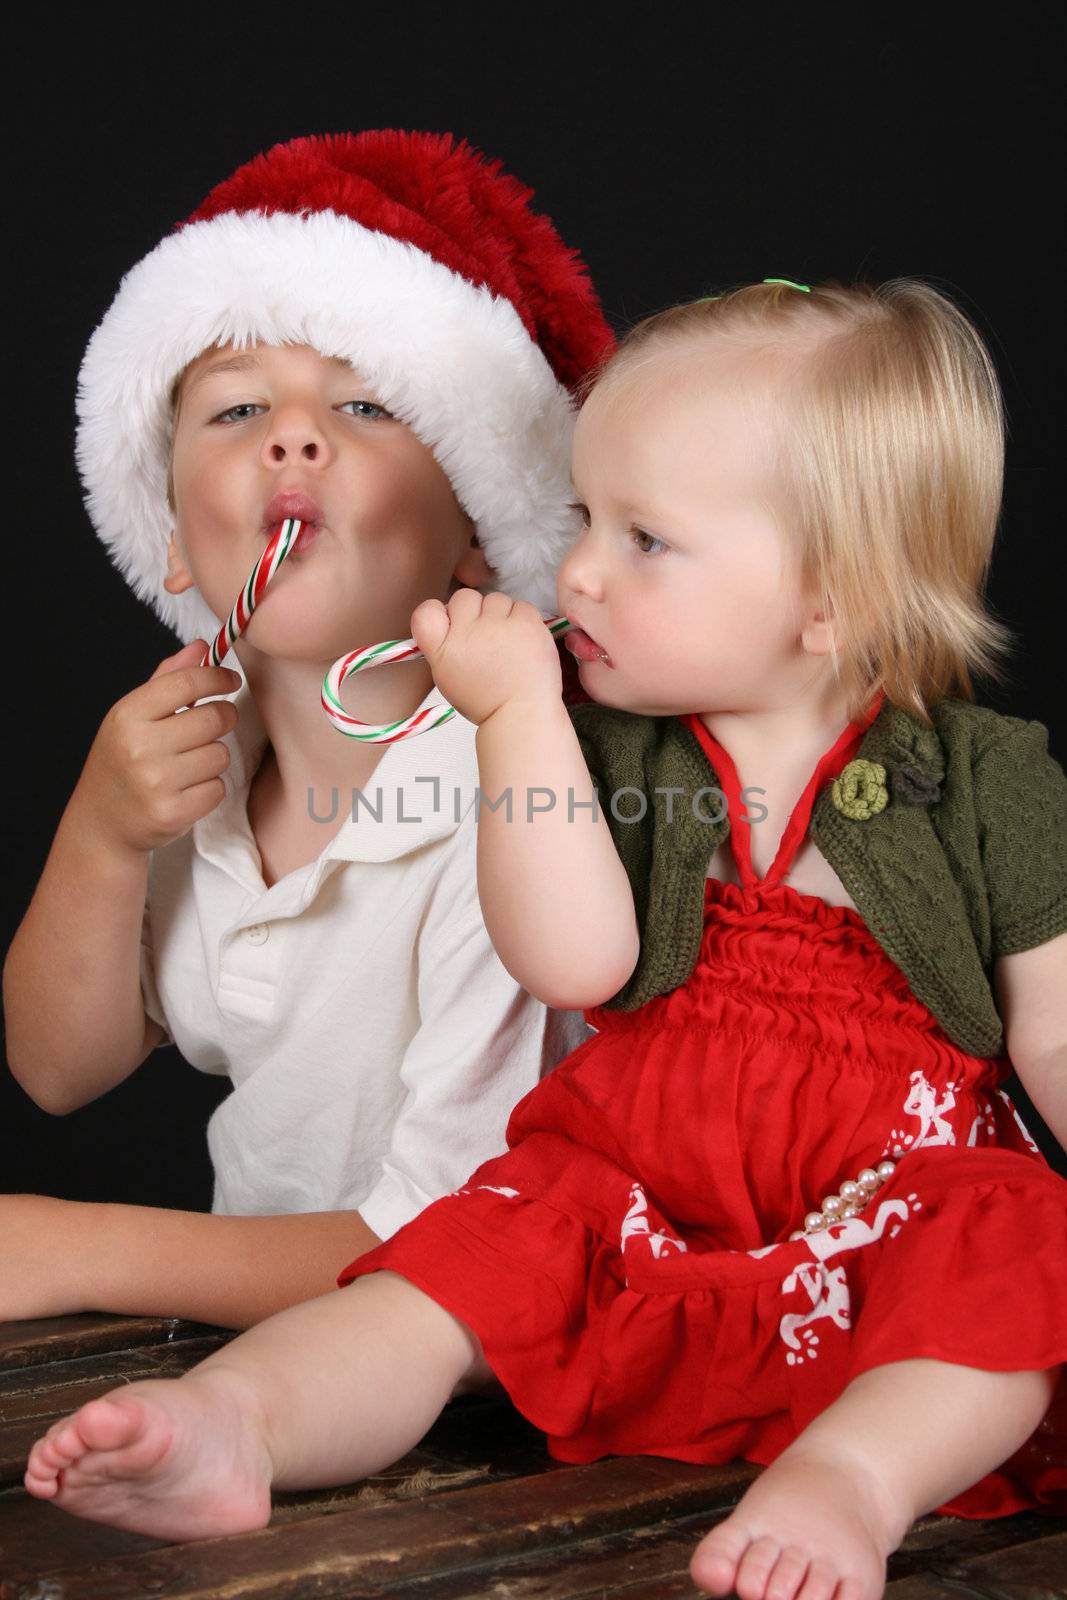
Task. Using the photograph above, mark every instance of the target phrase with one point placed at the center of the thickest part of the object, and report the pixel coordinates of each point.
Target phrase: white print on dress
(827, 1289)
(1019, 1123)
(635, 1223)
(828, 1293)
(509, 1194)
(984, 1124)
(922, 1102)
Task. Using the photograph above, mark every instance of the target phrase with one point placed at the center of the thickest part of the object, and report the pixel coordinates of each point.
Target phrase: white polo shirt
(375, 1042)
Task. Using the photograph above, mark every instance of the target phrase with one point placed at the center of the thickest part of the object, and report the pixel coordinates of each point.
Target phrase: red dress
(627, 1264)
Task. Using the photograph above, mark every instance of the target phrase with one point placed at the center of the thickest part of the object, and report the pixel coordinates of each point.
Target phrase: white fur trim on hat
(446, 357)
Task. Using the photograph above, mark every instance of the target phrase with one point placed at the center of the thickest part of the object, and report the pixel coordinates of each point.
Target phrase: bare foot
(807, 1528)
(179, 1458)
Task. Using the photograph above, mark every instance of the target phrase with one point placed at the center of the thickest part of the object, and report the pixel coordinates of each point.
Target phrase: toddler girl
(778, 1205)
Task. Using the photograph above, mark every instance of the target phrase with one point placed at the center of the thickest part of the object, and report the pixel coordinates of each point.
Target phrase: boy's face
(686, 574)
(270, 432)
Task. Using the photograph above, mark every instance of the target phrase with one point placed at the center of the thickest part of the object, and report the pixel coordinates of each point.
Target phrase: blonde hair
(890, 442)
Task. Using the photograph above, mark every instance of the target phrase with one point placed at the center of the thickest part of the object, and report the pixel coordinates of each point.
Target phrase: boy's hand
(151, 774)
(487, 650)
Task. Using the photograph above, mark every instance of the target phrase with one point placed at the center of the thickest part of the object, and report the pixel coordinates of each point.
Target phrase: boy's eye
(239, 413)
(365, 408)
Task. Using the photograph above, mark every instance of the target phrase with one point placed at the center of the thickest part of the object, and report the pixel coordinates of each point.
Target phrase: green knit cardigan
(951, 840)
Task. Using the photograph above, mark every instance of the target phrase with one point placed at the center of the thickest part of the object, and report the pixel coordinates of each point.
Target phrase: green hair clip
(788, 282)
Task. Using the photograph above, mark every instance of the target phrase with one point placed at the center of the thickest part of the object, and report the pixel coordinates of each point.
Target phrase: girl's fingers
(430, 623)
(465, 605)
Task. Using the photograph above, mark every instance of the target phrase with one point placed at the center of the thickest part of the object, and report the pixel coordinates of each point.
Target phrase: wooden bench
(478, 1510)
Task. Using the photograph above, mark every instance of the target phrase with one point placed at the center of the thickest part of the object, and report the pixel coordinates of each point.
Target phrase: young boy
(375, 334)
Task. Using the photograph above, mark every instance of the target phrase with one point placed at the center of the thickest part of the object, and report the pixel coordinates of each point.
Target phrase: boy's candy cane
(279, 545)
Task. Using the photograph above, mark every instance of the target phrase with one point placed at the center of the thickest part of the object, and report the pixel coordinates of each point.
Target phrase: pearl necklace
(849, 1200)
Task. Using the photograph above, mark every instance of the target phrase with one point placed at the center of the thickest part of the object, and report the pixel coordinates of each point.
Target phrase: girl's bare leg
(323, 1393)
(901, 1439)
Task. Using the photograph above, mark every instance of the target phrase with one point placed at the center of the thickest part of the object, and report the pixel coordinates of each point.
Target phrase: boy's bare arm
(60, 1256)
(73, 1008)
(555, 896)
(75, 1017)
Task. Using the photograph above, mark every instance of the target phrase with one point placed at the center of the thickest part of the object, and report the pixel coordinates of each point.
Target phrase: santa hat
(408, 255)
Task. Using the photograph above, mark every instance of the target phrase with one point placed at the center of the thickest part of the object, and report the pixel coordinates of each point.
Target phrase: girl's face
(684, 572)
(272, 432)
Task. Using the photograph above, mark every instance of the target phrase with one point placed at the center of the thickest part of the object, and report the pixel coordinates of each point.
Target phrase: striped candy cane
(279, 546)
(382, 655)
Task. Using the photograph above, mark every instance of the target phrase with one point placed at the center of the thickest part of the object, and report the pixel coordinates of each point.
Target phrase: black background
(679, 150)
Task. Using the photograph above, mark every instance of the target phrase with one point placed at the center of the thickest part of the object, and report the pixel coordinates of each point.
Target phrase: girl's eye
(583, 511)
(239, 413)
(639, 534)
(365, 408)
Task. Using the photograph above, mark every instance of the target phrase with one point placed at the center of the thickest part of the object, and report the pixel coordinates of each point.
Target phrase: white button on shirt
(375, 1041)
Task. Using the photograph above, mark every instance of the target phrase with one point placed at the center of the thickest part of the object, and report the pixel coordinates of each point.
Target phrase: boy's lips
(294, 504)
(291, 504)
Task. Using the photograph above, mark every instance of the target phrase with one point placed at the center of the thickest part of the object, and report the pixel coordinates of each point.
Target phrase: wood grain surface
(478, 1510)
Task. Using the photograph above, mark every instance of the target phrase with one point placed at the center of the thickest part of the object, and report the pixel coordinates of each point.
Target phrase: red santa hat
(408, 255)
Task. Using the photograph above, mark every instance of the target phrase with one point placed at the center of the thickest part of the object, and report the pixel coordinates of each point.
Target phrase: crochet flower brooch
(861, 791)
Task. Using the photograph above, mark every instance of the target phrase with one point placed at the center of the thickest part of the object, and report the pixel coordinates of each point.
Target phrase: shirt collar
(419, 792)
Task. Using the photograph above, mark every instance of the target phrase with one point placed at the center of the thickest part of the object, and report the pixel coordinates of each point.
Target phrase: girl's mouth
(583, 648)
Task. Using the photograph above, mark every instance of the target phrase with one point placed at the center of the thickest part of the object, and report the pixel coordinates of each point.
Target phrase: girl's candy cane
(279, 545)
(381, 655)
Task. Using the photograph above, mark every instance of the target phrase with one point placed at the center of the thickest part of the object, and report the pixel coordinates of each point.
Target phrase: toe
(63, 1443)
(855, 1589)
(40, 1479)
(788, 1573)
(821, 1583)
(757, 1564)
(716, 1558)
(108, 1424)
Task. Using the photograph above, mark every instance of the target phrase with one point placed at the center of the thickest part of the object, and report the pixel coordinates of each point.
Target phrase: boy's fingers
(199, 727)
(183, 684)
(190, 655)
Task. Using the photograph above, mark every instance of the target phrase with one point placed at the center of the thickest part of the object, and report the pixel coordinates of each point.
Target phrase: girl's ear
(472, 569)
(819, 635)
(178, 578)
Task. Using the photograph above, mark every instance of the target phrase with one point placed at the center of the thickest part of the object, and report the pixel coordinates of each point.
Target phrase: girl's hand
(151, 774)
(486, 651)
